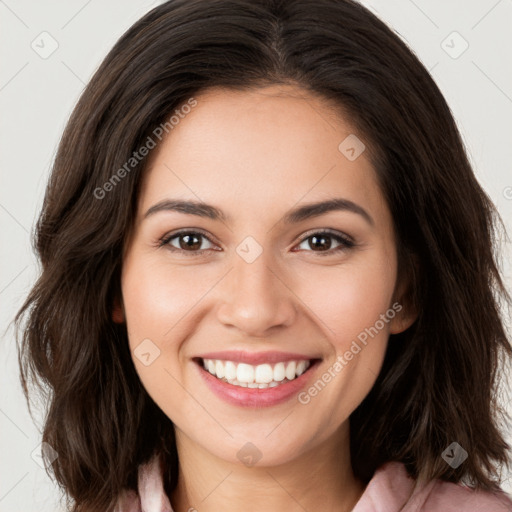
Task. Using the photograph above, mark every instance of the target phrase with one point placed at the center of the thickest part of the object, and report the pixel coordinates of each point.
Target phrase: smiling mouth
(266, 375)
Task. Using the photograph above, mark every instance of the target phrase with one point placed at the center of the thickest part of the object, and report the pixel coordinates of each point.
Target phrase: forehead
(256, 149)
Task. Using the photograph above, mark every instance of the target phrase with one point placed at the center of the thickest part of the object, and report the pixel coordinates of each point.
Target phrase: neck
(321, 475)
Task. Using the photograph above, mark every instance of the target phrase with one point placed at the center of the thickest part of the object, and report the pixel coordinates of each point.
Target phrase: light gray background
(37, 95)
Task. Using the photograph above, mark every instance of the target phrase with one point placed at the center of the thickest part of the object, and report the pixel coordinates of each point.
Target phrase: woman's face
(254, 288)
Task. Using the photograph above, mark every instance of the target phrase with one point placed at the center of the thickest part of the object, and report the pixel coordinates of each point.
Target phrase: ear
(403, 319)
(404, 301)
(117, 312)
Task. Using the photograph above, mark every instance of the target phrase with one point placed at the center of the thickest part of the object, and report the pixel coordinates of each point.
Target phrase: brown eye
(321, 242)
(188, 242)
(192, 241)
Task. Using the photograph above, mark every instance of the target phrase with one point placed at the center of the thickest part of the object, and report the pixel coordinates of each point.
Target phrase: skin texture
(255, 155)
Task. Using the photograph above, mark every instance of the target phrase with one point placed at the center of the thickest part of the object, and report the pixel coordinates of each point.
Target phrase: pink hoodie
(390, 490)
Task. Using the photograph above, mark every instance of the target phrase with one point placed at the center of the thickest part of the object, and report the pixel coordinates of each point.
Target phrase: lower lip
(256, 397)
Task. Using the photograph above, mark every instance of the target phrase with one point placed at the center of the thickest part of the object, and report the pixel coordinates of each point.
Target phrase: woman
(201, 353)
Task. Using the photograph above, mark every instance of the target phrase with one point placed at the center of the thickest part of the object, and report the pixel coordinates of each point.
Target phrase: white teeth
(264, 374)
(279, 373)
(219, 369)
(301, 368)
(290, 370)
(230, 370)
(245, 373)
(260, 376)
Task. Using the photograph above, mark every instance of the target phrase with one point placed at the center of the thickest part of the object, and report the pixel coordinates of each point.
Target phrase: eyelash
(345, 242)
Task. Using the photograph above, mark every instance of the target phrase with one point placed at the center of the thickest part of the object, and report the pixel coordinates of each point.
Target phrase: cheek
(353, 302)
(156, 301)
(158, 297)
(350, 298)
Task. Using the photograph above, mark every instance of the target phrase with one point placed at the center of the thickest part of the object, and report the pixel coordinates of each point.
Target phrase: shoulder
(447, 496)
(392, 490)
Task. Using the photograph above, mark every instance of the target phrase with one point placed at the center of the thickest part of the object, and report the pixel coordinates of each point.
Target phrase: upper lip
(254, 358)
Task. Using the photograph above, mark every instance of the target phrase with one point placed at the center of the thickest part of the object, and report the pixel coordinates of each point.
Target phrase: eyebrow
(296, 215)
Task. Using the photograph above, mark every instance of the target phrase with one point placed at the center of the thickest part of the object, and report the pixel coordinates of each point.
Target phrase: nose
(256, 298)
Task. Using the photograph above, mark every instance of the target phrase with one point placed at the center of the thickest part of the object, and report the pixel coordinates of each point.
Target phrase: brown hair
(439, 380)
